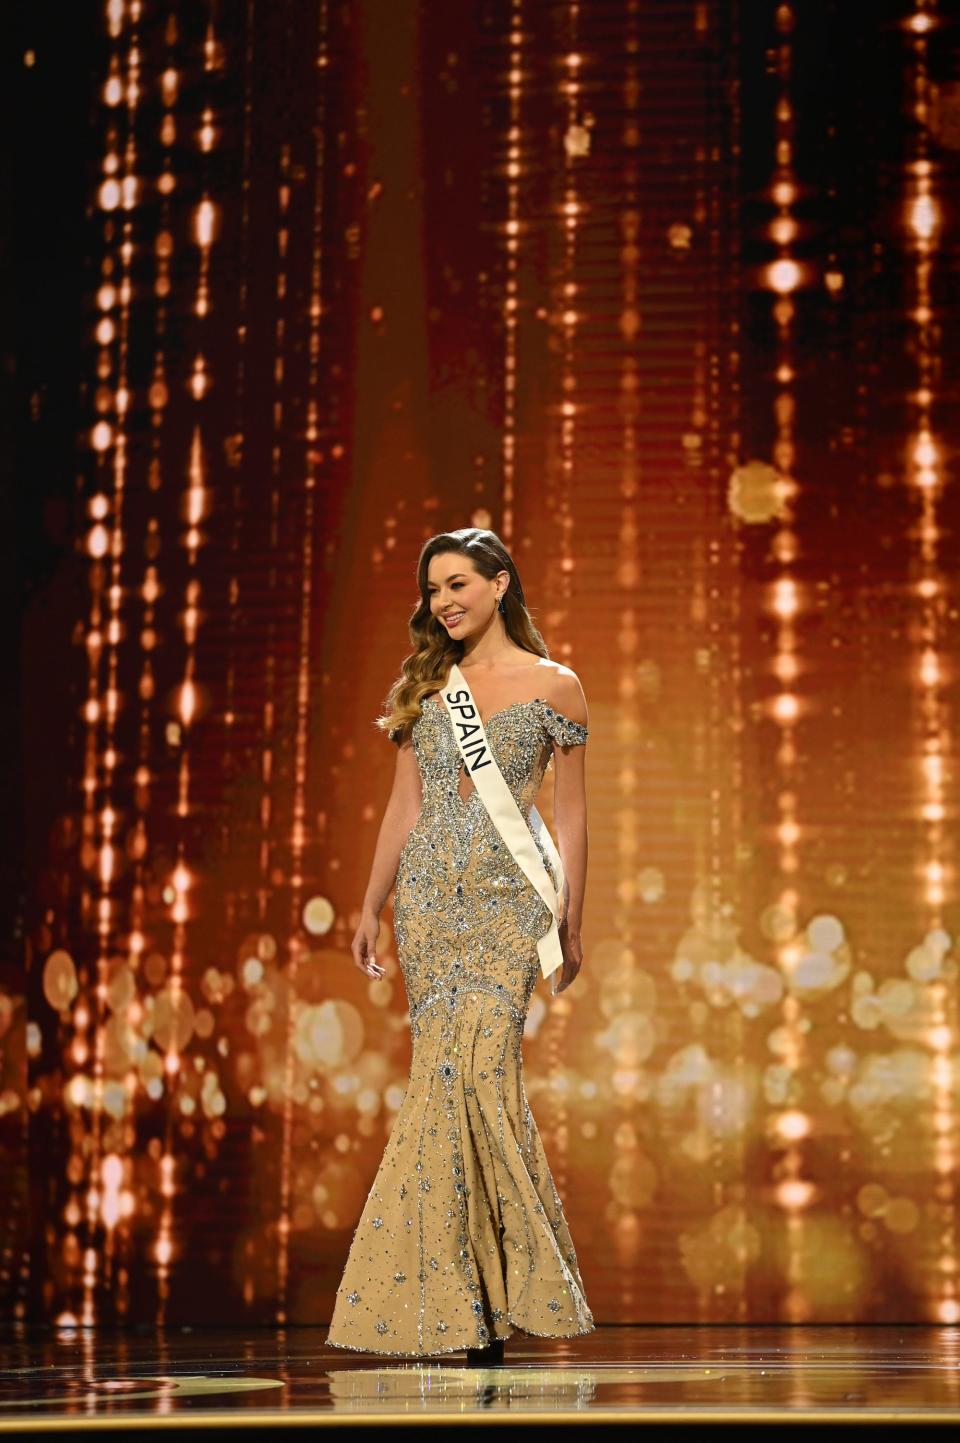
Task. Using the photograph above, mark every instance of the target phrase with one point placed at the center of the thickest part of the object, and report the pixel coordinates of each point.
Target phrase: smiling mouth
(455, 618)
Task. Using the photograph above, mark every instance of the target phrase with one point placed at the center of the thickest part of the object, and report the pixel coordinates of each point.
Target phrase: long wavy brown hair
(434, 649)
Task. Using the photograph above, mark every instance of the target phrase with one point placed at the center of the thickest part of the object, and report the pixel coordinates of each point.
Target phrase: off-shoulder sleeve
(565, 732)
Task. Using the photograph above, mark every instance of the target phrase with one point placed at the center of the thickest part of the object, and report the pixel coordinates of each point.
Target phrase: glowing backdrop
(666, 294)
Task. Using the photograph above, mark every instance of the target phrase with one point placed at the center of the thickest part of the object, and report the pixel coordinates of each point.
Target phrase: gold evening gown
(463, 1237)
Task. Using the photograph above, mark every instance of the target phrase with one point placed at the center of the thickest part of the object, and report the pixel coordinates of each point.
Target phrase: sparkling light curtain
(664, 295)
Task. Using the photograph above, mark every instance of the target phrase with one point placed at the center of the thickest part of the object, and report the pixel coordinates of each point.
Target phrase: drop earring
(500, 606)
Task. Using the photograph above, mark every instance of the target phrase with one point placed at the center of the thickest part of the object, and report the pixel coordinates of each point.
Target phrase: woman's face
(460, 598)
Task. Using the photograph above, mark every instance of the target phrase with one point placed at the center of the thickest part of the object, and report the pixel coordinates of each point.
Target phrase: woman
(462, 1237)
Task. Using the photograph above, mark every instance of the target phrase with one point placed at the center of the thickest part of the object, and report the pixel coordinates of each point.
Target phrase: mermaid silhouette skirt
(463, 1237)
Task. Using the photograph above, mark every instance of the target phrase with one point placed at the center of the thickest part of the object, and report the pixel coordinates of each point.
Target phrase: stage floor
(268, 1379)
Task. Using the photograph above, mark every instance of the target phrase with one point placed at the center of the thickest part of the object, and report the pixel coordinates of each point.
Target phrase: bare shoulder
(565, 693)
(406, 776)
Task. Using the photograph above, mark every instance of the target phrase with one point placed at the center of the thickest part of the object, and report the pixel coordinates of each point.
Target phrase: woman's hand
(572, 949)
(364, 945)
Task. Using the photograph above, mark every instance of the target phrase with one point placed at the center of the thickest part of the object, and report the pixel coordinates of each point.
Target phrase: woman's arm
(570, 798)
(402, 810)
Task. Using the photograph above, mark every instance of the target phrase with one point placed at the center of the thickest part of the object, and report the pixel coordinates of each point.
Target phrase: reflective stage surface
(75, 1379)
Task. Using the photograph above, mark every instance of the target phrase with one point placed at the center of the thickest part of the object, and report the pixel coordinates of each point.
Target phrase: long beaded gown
(463, 1237)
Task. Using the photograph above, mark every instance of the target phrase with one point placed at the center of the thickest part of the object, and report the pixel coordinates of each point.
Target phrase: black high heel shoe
(489, 1357)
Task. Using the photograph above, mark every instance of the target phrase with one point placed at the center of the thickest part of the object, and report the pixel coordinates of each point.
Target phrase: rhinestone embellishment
(466, 923)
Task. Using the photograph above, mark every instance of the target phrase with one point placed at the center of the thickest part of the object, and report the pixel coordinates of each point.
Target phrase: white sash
(506, 816)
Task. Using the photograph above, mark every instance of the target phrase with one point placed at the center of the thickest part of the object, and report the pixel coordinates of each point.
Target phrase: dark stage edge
(260, 1380)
